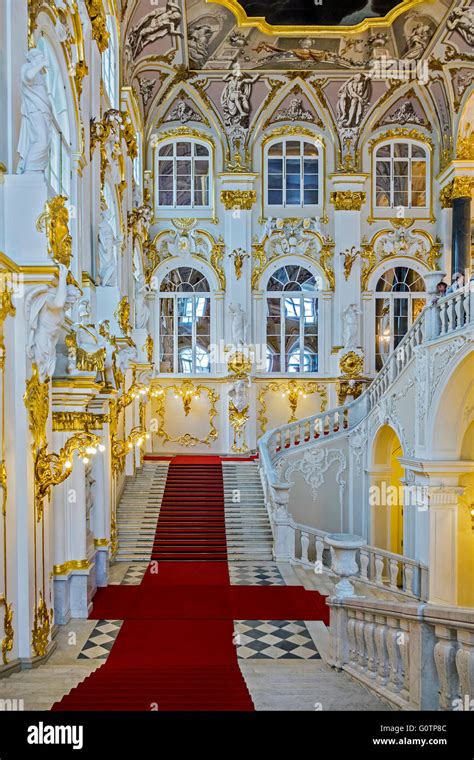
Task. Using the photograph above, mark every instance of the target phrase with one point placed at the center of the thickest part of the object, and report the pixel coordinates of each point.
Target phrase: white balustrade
(417, 657)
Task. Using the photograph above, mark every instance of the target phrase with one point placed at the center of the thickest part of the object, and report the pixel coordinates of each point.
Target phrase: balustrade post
(465, 664)
(369, 633)
(360, 640)
(380, 638)
(393, 648)
(364, 560)
(445, 660)
(304, 547)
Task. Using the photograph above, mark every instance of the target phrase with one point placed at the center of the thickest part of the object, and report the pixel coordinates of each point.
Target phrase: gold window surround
(207, 213)
(297, 132)
(260, 23)
(401, 134)
(261, 262)
(371, 262)
(216, 256)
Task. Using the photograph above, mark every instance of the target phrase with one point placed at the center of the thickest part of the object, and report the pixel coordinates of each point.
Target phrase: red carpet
(175, 649)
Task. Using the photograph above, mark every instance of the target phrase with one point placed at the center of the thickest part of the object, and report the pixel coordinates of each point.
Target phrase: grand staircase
(249, 535)
(138, 512)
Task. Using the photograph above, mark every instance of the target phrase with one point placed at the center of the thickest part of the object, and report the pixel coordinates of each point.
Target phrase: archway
(386, 492)
(466, 525)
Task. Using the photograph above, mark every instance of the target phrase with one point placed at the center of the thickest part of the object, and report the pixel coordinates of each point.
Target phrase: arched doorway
(386, 492)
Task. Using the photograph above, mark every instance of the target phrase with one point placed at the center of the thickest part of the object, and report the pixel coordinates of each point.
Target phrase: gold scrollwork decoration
(53, 468)
(148, 348)
(97, 16)
(238, 420)
(348, 200)
(238, 200)
(76, 421)
(325, 259)
(41, 627)
(238, 255)
(120, 448)
(9, 634)
(459, 187)
(159, 393)
(122, 315)
(293, 390)
(36, 400)
(349, 257)
(54, 220)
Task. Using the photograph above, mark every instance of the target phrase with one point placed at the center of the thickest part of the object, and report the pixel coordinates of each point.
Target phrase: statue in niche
(107, 243)
(45, 309)
(235, 98)
(142, 311)
(461, 20)
(350, 330)
(152, 27)
(418, 38)
(36, 115)
(239, 325)
(354, 99)
(89, 483)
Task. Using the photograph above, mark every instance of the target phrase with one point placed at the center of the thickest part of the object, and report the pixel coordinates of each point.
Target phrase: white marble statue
(107, 244)
(125, 356)
(238, 394)
(87, 336)
(45, 308)
(239, 325)
(36, 115)
(417, 41)
(142, 311)
(461, 20)
(350, 330)
(354, 99)
(235, 98)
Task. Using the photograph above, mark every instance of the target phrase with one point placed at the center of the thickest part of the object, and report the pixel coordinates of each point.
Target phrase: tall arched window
(185, 322)
(400, 296)
(292, 173)
(184, 169)
(292, 320)
(401, 171)
(109, 64)
(59, 170)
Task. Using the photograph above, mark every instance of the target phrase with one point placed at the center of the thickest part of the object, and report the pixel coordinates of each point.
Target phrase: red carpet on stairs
(175, 649)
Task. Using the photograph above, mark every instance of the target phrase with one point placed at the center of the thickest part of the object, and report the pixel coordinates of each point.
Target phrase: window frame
(293, 207)
(300, 344)
(393, 296)
(411, 143)
(109, 63)
(193, 141)
(165, 295)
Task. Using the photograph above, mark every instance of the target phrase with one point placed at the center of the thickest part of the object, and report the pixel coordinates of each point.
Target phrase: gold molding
(77, 421)
(260, 23)
(188, 391)
(293, 389)
(43, 619)
(292, 130)
(238, 200)
(459, 187)
(70, 565)
(101, 542)
(122, 315)
(410, 134)
(351, 365)
(97, 16)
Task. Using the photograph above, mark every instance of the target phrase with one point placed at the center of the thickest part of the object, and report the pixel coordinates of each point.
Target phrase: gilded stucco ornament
(41, 627)
(238, 200)
(54, 220)
(187, 439)
(98, 19)
(294, 391)
(122, 315)
(238, 255)
(348, 200)
(459, 187)
(148, 348)
(9, 634)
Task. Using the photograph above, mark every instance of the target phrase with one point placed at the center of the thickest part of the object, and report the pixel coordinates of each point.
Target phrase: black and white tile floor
(274, 640)
(250, 574)
(100, 640)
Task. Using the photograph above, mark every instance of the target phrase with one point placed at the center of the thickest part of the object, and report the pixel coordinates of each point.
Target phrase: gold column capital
(348, 200)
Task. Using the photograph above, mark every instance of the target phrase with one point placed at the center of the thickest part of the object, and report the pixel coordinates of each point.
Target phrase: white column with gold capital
(348, 197)
(237, 197)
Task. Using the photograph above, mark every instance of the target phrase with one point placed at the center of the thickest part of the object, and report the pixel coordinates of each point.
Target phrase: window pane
(183, 149)
(311, 198)
(166, 150)
(418, 200)
(165, 199)
(275, 150)
(201, 150)
(401, 150)
(293, 197)
(310, 166)
(183, 167)
(275, 166)
(293, 166)
(384, 151)
(275, 198)
(275, 181)
(293, 148)
(310, 149)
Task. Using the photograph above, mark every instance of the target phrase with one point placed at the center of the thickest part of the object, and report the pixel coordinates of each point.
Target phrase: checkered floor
(100, 641)
(249, 574)
(134, 574)
(274, 640)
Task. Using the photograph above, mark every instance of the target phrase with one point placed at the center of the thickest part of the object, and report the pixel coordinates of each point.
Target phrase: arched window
(59, 170)
(399, 297)
(185, 322)
(184, 174)
(109, 64)
(292, 173)
(401, 171)
(292, 320)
